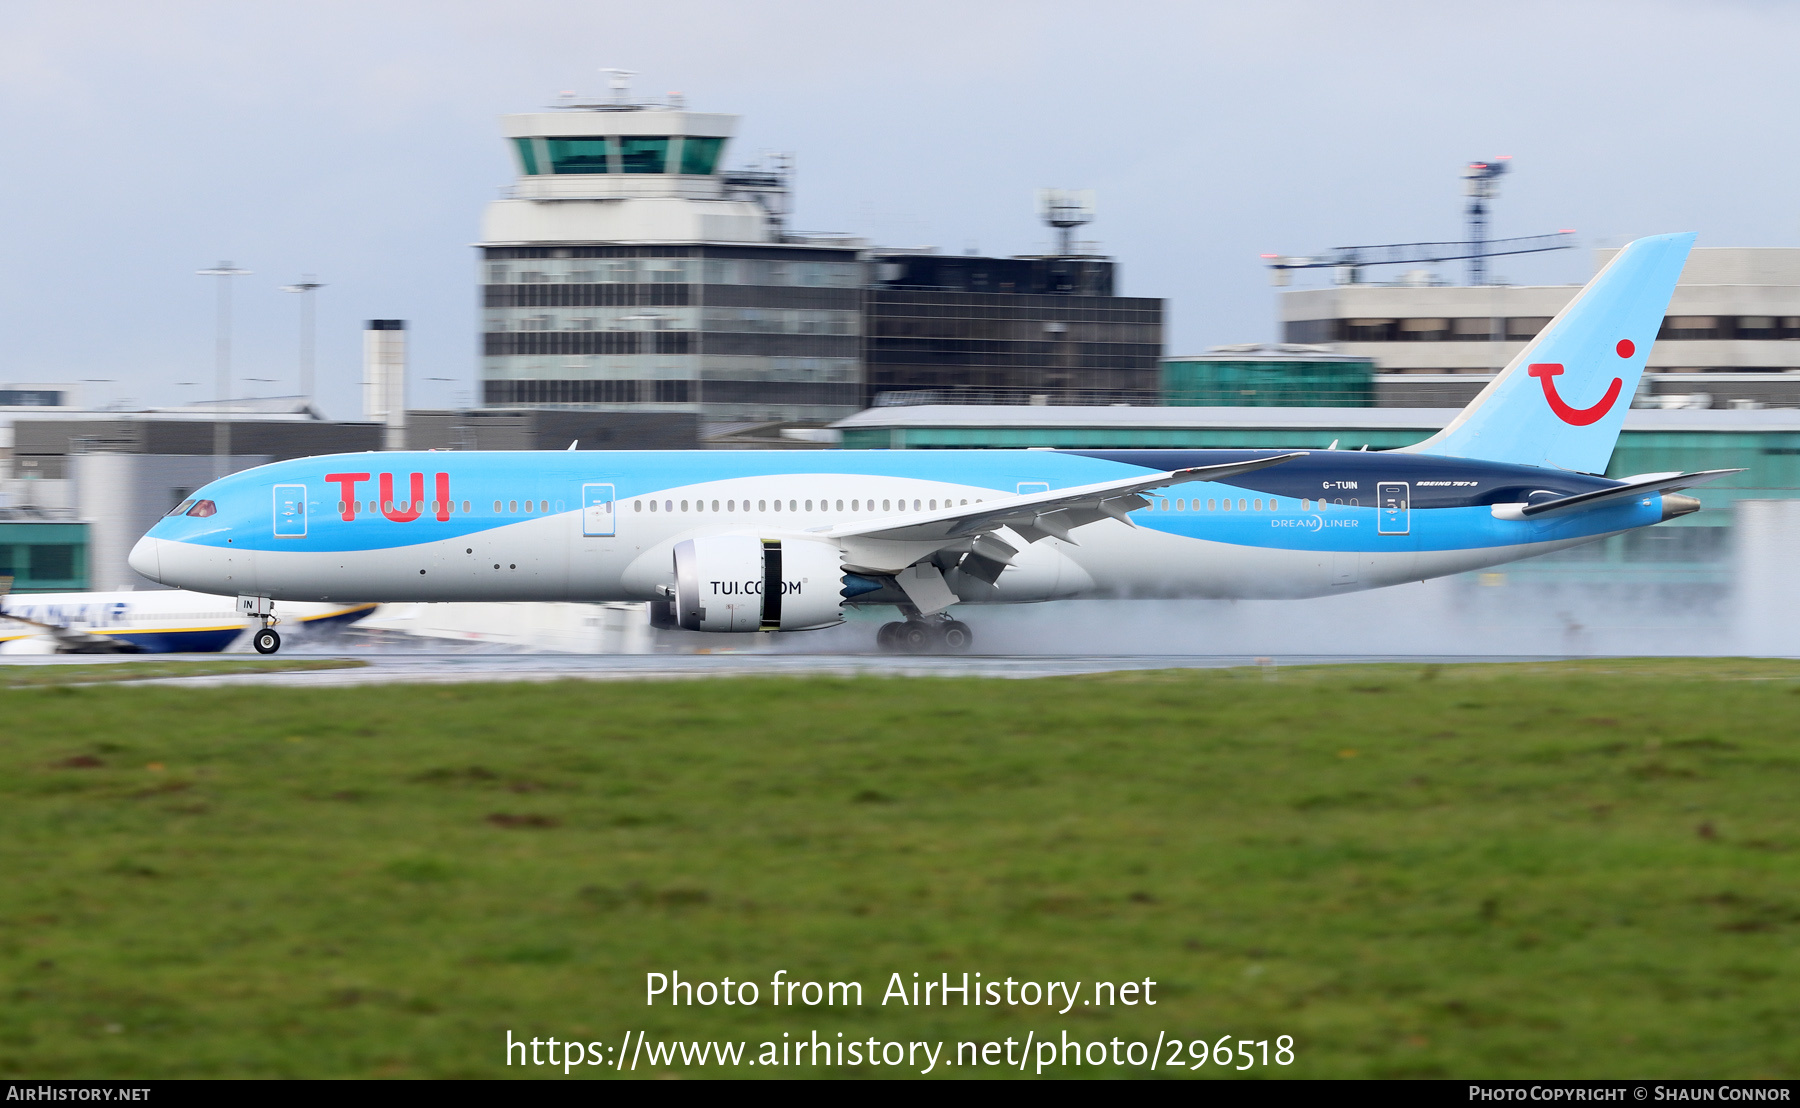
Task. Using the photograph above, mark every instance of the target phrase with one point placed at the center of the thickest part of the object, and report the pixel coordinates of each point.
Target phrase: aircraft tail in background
(1561, 402)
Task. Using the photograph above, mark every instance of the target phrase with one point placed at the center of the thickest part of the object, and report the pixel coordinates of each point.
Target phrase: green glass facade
(1268, 382)
(44, 557)
(697, 155)
(700, 156)
(643, 154)
(578, 155)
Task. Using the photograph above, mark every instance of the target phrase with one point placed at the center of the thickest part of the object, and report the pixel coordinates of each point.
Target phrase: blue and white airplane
(743, 541)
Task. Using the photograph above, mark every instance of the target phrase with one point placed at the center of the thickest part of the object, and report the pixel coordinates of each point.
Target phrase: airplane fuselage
(592, 525)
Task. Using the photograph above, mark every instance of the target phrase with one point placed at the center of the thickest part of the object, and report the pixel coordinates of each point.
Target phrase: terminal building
(1731, 334)
(972, 330)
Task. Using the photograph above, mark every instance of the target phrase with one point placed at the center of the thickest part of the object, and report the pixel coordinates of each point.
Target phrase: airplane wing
(891, 545)
(1634, 486)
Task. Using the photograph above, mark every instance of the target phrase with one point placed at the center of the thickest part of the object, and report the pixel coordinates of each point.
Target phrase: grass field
(1582, 869)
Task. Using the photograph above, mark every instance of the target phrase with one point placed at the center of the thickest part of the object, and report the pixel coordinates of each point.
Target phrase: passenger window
(497, 507)
(684, 505)
(1241, 507)
(884, 505)
(791, 507)
(840, 506)
(1165, 505)
(1212, 505)
(853, 505)
(528, 507)
(202, 509)
(1353, 502)
(715, 505)
(653, 505)
(809, 505)
(182, 507)
(965, 503)
(1259, 503)
(668, 505)
(465, 507)
(1227, 505)
(1273, 507)
(1337, 500)
(762, 505)
(731, 505)
(543, 505)
(1306, 503)
(636, 505)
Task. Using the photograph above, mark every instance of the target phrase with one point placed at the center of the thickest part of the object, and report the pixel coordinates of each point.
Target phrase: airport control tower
(626, 270)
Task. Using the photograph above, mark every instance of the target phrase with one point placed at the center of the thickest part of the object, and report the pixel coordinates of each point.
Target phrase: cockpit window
(202, 509)
(181, 508)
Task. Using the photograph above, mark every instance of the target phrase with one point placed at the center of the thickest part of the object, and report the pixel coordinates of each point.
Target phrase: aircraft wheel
(956, 637)
(886, 639)
(266, 641)
(913, 637)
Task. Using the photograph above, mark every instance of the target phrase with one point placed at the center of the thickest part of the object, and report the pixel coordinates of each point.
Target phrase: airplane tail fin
(1560, 403)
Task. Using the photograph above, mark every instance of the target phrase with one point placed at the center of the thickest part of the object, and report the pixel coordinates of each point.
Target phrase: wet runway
(451, 668)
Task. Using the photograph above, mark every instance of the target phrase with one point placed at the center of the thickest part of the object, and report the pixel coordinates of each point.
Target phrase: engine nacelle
(727, 583)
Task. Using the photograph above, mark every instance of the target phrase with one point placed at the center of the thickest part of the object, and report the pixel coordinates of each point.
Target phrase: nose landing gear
(266, 640)
(925, 636)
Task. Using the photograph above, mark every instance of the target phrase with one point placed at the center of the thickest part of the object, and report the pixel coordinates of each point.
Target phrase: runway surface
(398, 668)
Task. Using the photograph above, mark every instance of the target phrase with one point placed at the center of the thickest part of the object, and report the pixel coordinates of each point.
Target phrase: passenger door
(1394, 498)
(599, 512)
(290, 511)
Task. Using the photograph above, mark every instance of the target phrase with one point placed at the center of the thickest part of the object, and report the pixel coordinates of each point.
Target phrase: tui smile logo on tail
(1579, 417)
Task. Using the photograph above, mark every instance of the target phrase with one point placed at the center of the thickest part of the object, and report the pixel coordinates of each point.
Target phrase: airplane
(734, 542)
(161, 621)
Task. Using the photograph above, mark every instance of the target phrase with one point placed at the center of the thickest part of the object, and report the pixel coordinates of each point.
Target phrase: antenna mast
(1481, 183)
(1065, 210)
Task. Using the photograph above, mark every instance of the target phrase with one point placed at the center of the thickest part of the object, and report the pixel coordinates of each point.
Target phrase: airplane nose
(146, 558)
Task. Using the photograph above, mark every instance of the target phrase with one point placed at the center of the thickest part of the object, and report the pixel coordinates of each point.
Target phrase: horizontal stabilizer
(1634, 486)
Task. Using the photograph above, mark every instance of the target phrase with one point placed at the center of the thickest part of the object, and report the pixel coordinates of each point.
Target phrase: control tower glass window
(528, 159)
(578, 155)
(700, 156)
(639, 154)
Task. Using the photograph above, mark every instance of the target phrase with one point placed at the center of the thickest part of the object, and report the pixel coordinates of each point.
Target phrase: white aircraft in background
(162, 621)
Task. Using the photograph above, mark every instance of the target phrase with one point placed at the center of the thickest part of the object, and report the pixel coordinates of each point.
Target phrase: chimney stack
(384, 378)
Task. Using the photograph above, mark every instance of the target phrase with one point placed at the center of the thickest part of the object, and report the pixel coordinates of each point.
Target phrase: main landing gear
(925, 636)
(266, 641)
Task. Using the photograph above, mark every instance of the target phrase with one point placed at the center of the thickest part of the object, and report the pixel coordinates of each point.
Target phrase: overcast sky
(358, 141)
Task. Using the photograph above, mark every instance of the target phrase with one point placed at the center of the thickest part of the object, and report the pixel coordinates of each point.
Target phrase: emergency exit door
(1395, 500)
(599, 512)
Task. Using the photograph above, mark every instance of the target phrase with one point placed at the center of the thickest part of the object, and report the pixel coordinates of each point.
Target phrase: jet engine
(748, 583)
